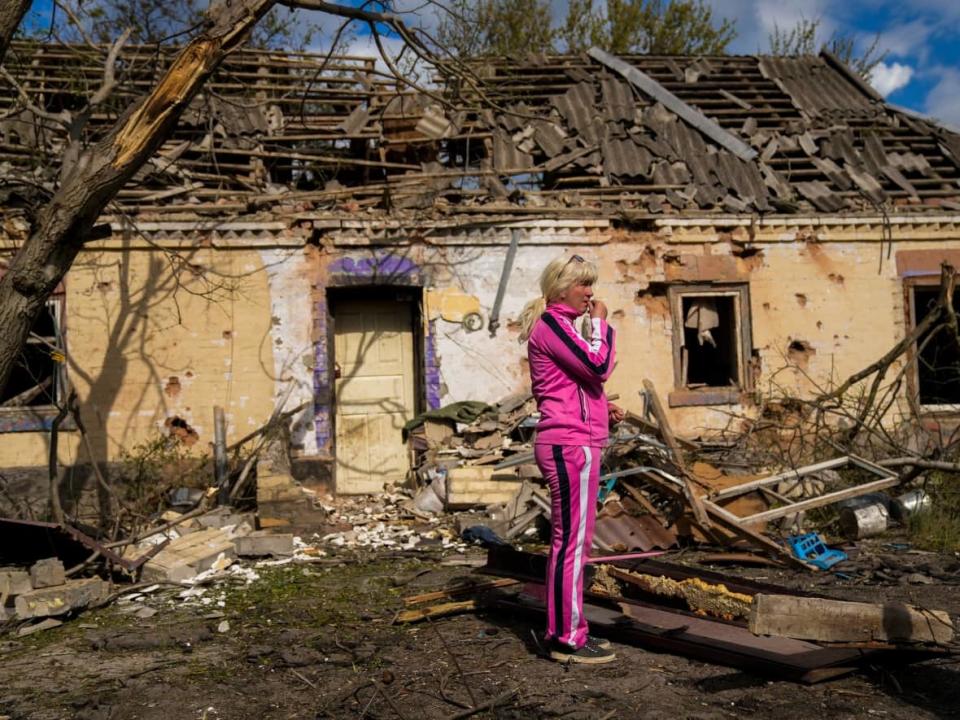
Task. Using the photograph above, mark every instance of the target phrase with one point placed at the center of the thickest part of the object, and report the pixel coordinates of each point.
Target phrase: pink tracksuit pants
(572, 472)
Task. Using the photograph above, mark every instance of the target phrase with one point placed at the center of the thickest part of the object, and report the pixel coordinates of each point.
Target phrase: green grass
(938, 527)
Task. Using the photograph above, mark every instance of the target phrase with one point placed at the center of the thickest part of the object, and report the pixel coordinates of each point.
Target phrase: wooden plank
(728, 521)
(434, 611)
(658, 92)
(822, 500)
(651, 428)
(452, 592)
(774, 479)
(823, 620)
(693, 497)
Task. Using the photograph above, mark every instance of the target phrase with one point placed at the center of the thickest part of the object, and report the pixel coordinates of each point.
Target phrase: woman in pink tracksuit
(567, 373)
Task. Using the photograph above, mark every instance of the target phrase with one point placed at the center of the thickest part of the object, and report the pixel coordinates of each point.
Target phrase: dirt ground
(316, 641)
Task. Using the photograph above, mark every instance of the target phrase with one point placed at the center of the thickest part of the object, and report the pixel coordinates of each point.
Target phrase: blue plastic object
(606, 489)
(810, 548)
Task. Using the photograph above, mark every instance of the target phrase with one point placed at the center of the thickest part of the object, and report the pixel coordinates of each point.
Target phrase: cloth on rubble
(465, 411)
(482, 535)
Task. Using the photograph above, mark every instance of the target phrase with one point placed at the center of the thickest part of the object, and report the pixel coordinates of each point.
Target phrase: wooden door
(374, 395)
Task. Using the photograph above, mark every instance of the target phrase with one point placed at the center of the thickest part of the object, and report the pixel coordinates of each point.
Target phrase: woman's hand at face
(598, 309)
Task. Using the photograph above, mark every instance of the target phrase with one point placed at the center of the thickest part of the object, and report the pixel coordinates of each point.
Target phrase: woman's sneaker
(599, 642)
(589, 654)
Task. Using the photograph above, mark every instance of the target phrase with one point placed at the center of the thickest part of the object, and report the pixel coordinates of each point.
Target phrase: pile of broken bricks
(45, 593)
(197, 546)
(213, 540)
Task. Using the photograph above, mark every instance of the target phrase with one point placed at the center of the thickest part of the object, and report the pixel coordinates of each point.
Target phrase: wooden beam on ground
(822, 500)
(728, 521)
(435, 611)
(823, 620)
(658, 92)
(693, 497)
(459, 590)
(779, 477)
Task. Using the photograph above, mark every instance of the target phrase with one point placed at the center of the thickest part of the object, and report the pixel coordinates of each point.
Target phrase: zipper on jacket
(583, 405)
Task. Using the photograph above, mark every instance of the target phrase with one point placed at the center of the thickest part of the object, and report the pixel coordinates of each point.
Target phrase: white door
(374, 394)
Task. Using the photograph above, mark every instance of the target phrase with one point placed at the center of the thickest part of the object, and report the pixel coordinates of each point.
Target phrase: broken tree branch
(11, 13)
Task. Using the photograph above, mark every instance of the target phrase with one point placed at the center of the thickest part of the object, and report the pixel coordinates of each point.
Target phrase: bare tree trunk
(11, 13)
(64, 224)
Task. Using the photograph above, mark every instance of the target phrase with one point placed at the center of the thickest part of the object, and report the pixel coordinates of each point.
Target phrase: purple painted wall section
(322, 384)
(432, 367)
(378, 268)
(382, 266)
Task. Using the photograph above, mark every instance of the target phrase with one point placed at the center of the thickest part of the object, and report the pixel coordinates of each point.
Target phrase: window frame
(681, 395)
(39, 418)
(910, 285)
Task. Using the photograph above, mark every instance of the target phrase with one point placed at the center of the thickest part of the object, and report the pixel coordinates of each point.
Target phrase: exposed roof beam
(657, 91)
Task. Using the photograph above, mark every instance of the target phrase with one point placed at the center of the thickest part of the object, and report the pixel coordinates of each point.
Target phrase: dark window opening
(938, 364)
(709, 355)
(35, 379)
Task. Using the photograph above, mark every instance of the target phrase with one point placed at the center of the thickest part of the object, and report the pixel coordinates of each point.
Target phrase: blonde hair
(557, 277)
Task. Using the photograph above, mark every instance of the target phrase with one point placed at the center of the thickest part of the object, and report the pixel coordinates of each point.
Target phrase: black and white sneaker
(589, 654)
(599, 642)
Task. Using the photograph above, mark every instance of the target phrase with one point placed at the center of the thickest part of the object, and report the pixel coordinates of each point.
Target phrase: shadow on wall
(127, 314)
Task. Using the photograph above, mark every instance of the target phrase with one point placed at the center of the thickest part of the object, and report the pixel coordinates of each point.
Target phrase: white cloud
(905, 39)
(774, 14)
(943, 101)
(888, 78)
(366, 46)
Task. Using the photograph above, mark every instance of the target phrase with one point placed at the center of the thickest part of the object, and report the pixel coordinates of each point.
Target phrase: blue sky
(921, 70)
(922, 67)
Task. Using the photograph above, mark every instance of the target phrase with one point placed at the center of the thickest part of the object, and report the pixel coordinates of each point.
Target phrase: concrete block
(38, 627)
(223, 517)
(189, 555)
(480, 485)
(61, 599)
(47, 573)
(262, 543)
(298, 517)
(14, 581)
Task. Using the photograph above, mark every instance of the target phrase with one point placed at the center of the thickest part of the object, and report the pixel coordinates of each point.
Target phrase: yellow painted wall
(232, 326)
(151, 337)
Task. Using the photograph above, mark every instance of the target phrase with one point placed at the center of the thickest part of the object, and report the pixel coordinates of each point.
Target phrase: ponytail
(528, 316)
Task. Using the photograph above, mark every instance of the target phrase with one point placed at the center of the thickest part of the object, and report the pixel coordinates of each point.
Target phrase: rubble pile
(387, 521)
(656, 490)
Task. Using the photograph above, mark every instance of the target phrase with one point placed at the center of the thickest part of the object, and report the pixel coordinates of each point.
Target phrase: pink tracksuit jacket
(567, 374)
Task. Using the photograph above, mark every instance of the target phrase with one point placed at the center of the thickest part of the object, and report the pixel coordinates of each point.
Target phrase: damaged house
(316, 237)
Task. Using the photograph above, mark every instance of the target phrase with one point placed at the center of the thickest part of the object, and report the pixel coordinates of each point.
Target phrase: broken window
(938, 362)
(37, 380)
(711, 343)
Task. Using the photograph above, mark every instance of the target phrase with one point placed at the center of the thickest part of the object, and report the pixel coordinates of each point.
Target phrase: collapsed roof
(633, 136)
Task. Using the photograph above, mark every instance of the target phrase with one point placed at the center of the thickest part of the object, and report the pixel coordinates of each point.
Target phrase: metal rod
(494, 322)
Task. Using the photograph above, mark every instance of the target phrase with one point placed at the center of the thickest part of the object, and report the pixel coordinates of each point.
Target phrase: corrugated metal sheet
(579, 108)
(506, 156)
(550, 138)
(622, 157)
(620, 531)
(619, 102)
(820, 195)
(817, 89)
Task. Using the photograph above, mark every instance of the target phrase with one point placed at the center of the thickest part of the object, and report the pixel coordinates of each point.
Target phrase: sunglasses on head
(574, 257)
